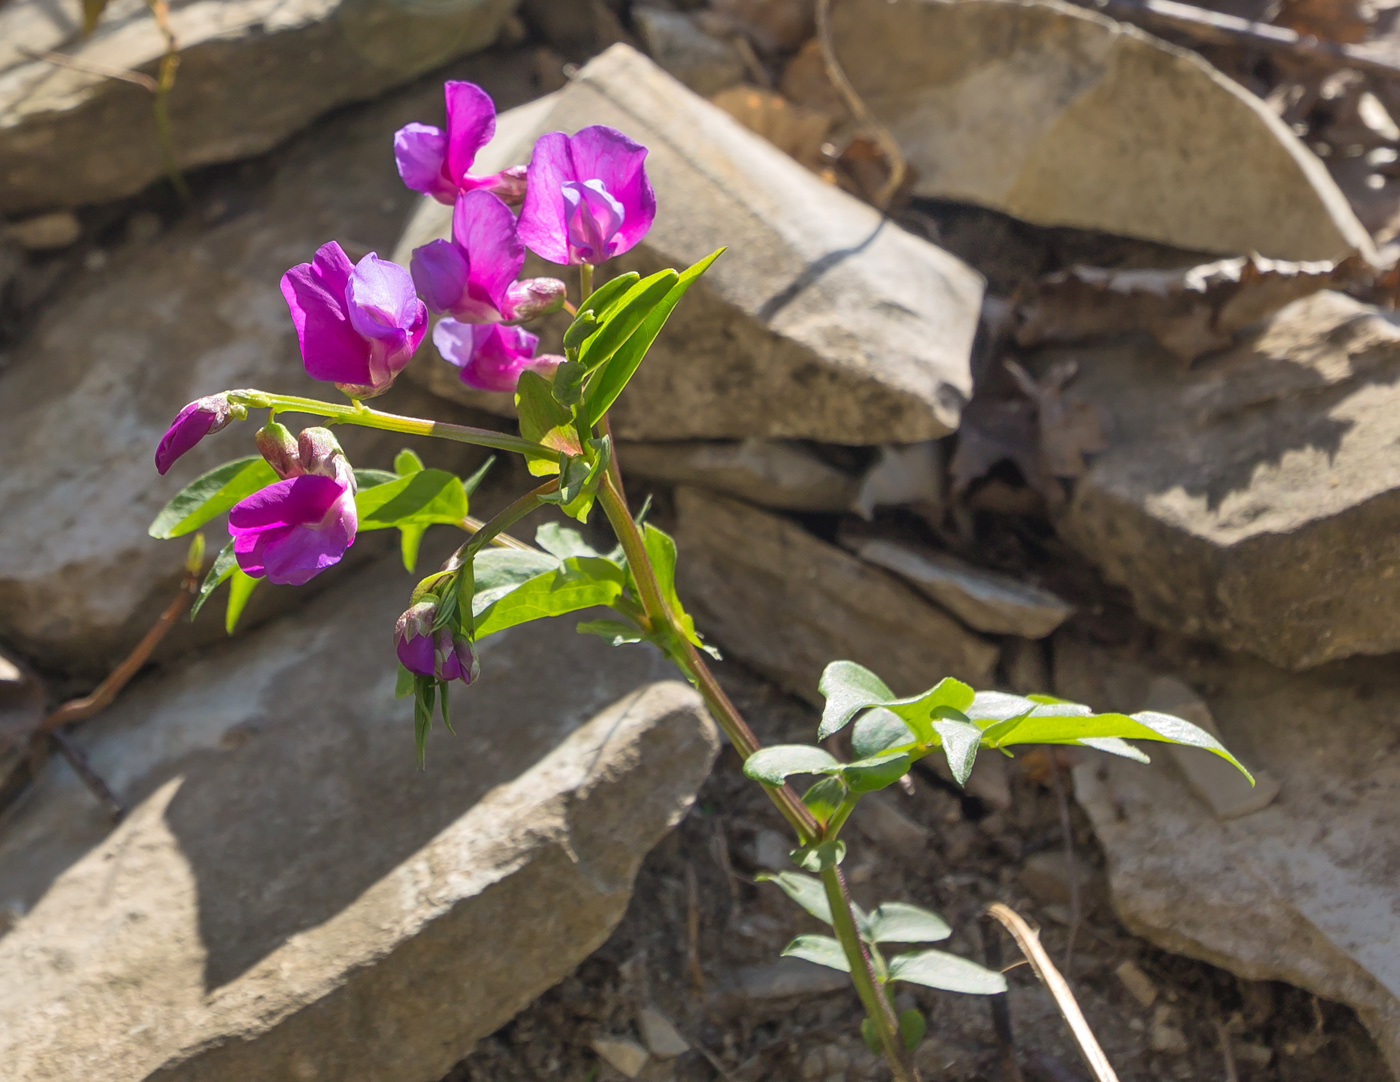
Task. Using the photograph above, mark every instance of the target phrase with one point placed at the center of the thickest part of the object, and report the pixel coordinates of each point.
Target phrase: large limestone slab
(788, 603)
(1061, 116)
(1254, 499)
(1302, 891)
(822, 320)
(251, 73)
(290, 897)
(85, 399)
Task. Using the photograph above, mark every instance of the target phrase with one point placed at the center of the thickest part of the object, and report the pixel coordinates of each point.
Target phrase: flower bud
(456, 660)
(197, 420)
(413, 638)
(533, 297)
(319, 452)
(509, 184)
(279, 447)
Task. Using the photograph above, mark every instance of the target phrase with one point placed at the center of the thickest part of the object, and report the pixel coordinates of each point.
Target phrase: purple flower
(358, 325)
(588, 197)
(192, 424)
(295, 528)
(491, 356)
(436, 162)
(472, 276)
(439, 653)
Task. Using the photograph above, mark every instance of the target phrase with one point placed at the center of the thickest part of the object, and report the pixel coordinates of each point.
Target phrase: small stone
(903, 476)
(621, 1053)
(788, 977)
(660, 1035)
(781, 474)
(1138, 983)
(1215, 781)
(788, 603)
(46, 232)
(984, 600)
(1165, 1033)
(705, 64)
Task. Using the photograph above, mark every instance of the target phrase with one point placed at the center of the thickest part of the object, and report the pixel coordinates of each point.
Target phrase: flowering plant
(296, 507)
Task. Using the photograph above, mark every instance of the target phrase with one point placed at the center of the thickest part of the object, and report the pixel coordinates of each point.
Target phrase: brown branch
(1216, 29)
(889, 145)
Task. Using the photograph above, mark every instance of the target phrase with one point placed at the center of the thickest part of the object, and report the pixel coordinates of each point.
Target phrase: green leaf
(545, 421)
(406, 462)
(1114, 746)
(819, 857)
(773, 764)
(899, 922)
(469, 484)
(410, 538)
(614, 632)
(960, 740)
(498, 571)
(419, 499)
(567, 385)
(625, 316)
(661, 551)
(871, 1036)
(912, 1028)
(224, 565)
(849, 688)
(609, 293)
(584, 324)
(369, 478)
(806, 890)
(403, 686)
(822, 949)
(876, 772)
(989, 707)
(240, 588)
(825, 797)
(211, 494)
(613, 377)
(563, 541)
(880, 730)
(938, 969)
(579, 583)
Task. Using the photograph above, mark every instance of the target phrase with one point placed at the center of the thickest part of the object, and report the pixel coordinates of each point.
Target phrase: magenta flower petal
(440, 270)
(593, 218)
(420, 152)
(490, 356)
(543, 224)
(484, 228)
(330, 347)
(192, 424)
(605, 154)
(293, 529)
(381, 299)
(471, 122)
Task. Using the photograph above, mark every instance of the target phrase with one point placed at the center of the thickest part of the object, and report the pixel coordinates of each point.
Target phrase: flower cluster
(583, 199)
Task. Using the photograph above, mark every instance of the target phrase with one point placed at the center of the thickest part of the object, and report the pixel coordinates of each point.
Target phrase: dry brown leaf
(797, 131)
(1190, 312)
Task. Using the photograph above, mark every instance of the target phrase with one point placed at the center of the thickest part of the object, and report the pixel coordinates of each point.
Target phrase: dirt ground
(698, 919)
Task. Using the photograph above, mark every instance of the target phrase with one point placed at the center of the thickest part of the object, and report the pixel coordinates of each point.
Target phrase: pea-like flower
(491, 356)
(358, 324)
(192, 424)
(439, 653)
(588, 197)
(472, 277)
(438, 163)
(295, 528)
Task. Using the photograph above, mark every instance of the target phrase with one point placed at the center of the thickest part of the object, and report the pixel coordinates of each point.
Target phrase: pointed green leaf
(545, 421)
(822, 949)
(938, 969)
(224, 565)
(403, 686)
(960, 741)
(880, 730)
(580, 582)
(661, 550)
(876, 772)
(993, 706)
(912, 1028)
(614, 375)
(469, 484)
(773, 764)
(806, 890)
(1114, 746)
(614, 632)
(849, 688)
(369, 478)
(419, 499)
(825, 797)
(900, 922)
(602, 299)
(410, 539)
(406, 462)
(623, 318)
(210, 495)
(563, 541)
(819, 857)
(240, 588)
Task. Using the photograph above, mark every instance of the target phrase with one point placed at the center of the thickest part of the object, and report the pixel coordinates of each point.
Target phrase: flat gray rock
(290, 897)
(1302, 891)
(984, 600)
(1060, 116)
(822, 320)
(1254, 499)
(251, 73)
(773, 473)
(86, 397)
(788, 604)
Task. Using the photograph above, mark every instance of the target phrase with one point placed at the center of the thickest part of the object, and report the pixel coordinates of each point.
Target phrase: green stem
(362, 415)
(872, 996)
(501, 521)
(585, 282)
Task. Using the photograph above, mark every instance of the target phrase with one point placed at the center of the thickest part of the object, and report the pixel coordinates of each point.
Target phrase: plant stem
(365, 417)
(502, 520)
(872, 996)
(585, 282)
